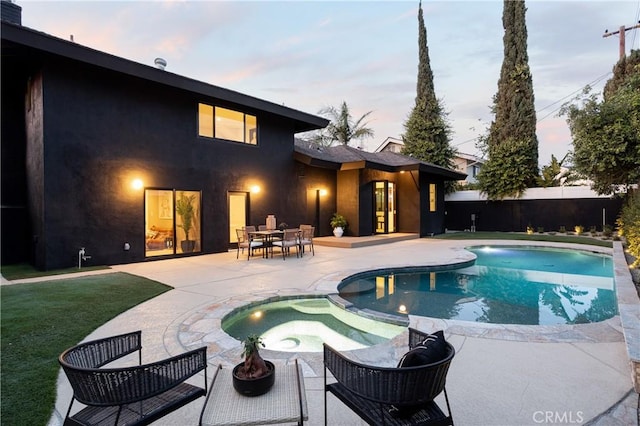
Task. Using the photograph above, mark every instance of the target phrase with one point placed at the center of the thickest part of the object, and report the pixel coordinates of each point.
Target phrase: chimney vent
(160, 63)
(11, 12)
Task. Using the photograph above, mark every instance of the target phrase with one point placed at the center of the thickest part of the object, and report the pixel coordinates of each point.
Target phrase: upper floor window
(223, 123)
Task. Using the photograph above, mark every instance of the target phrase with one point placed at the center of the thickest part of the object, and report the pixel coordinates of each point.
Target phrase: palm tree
(342, 128)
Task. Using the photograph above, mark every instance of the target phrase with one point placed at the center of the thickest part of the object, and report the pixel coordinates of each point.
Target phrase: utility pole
(622, 32)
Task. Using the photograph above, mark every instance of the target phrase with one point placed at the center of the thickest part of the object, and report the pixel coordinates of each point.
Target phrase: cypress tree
(512, 144)
(427, 131)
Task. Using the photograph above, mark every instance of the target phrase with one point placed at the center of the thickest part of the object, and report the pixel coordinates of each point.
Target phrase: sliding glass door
(384, 207)
(172, 222)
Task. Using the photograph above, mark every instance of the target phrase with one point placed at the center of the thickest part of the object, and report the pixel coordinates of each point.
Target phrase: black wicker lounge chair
(390, 396)
(135, 395)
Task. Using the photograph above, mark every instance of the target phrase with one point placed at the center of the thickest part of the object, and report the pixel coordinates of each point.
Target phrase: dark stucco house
(132, 162)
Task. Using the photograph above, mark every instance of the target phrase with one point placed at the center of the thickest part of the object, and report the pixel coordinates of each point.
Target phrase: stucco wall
(347, 202)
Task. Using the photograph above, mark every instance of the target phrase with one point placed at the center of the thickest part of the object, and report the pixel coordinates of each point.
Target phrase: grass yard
(41, 320)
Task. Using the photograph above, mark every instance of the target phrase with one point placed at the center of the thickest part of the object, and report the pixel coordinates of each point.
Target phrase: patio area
(501, 375)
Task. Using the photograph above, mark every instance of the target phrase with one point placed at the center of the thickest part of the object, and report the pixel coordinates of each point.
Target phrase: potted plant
(338, 223)
(254, 376)
(184, 209)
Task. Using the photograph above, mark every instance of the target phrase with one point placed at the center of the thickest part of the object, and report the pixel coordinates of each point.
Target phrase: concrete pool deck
(499, 376)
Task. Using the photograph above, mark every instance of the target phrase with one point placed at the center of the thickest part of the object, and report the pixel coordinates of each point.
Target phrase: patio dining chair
(289, 239)
(306, 239)
(245, 241)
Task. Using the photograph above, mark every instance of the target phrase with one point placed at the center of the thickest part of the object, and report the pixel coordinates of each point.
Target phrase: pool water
(302, 325)
(506, 285)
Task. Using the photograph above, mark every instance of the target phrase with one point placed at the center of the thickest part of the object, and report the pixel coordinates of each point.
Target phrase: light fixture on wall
(255, 189)
(322, 192)
(137, 184)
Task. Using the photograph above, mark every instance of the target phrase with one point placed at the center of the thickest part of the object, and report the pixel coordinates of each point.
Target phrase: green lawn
(41, 320)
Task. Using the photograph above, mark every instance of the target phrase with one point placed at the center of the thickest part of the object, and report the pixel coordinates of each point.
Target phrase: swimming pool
(302, 325)
(506, 285)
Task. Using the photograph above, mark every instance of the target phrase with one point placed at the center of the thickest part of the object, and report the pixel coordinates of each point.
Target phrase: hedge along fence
(548, 209)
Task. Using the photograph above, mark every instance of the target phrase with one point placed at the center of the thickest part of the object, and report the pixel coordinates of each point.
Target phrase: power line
(597, 80)
(633, 41)
(576, 91)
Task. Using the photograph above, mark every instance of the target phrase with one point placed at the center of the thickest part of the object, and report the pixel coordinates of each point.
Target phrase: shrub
(562, 230)
(629, 225)
(338, 220)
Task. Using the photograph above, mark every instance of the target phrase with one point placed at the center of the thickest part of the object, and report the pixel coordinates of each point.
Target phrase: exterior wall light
(137, 184)
(255, 189)
(323, 192)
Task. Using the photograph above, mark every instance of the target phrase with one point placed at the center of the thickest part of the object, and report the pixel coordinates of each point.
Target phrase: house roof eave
(37, 40)
(315, 162)
(448, 174)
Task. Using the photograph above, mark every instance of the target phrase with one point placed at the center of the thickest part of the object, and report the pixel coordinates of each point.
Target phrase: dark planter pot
(254, 387)
(188, 246)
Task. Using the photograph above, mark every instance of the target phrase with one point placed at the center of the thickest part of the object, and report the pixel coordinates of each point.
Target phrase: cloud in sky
(312, 54)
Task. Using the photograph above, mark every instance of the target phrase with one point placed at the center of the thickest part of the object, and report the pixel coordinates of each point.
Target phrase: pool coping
(628, 311)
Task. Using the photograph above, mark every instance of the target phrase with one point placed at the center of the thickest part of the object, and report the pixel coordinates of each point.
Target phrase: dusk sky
(312, 54)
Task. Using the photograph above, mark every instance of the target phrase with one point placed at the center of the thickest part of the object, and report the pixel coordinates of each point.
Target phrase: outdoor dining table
(267, 237)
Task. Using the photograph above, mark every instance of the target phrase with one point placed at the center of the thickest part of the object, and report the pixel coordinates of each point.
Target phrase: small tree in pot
(254, 376)
(184, 208)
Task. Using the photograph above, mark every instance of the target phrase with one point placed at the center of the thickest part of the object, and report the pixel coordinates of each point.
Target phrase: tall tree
(427, 132)
(606, 134)
(622, 72)
(342, 128)
(512, 144)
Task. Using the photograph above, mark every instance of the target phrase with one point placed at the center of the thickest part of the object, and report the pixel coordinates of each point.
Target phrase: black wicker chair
(135, 395)
(373, 392)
